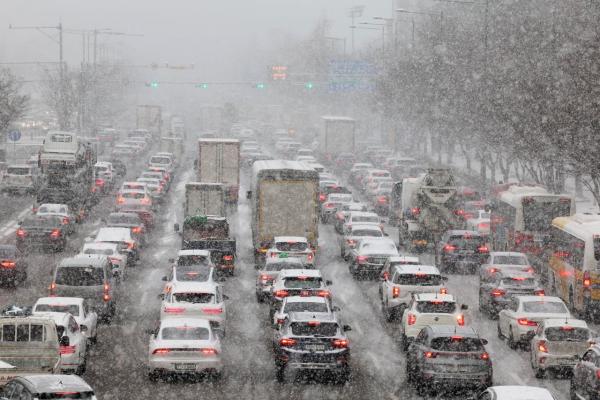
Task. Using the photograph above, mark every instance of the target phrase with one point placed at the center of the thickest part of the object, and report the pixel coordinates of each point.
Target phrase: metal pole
(413, 32)
(62, 114)
(352, 32)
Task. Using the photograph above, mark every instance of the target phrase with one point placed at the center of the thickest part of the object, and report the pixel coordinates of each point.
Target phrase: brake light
(329, 205)
(483, 249)
(526, 322)
(55, 233)
(161, 351)
(386, 276)
(323, 293)
(460, 318)
(382, 199)
(174, 310)
(542, 347)
(228, 257)
(65, 221)
(136, 229)
(313, 323)
(529, 270)
(213, 311)
(99, 182)
(67, 350)
(322, 198)
(430, 354)
(145, 200)
(340, 343)
(130, 245)
(282, 293)
(484, 356)
(310, 256)
(395, 292)
(483, 225)
(412, 319)
(539, 292)
(120, 200)
(287, 342)
(280, 321)
(459, 212)
(114, 260)
(8, 264)
(351, 242)
(415, 211)
(493, 270)
(266, 278)
(52, 288)
(444, 290)
(21, 233)
(361, 259)
(449, 248)
(598, 374)
(498, 292)
(587, 280)
(208, 352)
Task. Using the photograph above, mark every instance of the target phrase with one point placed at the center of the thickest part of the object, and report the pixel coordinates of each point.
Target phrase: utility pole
(354, 12)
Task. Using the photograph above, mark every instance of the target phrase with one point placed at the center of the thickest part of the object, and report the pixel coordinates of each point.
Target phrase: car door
(90, 318)
(507, 315)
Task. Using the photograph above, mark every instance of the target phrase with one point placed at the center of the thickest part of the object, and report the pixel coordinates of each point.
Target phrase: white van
(19, 178)
(29, 345)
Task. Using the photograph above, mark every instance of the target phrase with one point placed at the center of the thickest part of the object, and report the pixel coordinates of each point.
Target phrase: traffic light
(153, 84)
(202, 85)
(309, 85)
(260, 85)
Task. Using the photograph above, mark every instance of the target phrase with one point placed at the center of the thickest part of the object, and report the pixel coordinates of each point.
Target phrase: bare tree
(13, 104)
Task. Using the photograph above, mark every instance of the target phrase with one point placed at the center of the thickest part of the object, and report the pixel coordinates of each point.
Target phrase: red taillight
(136, 229)
(542, 347)
(161, 351)
(484, 356)
(412, 319)
(526, 322)
(313, 323)
(493, 270)
(174, 310)
(55, 233)
(539, 292)
(228, 257)
(587, 280)
(483, 225)
(310, 256)
(483, 249)
(8, 264)
(52, 288)
(430, 354)
(498, 292)
(287, 342)
(130, 245)
(329, 205)
(529, 270)
(323, 293)
(114, 260)
(382, 199)
(598, 374)
(99, 182)
(145, 200)
(21, 233)
(322, 198)
(65, 221)
(213, 311)
(282, 293)
(266, 278)
(208, 352)
(361, 259)
(67, 350)
(449, 248)
(460, 318)
(395, 292)
(120, 200)
(340, 343)
(280, 321)
(415, 211)
(444, 290)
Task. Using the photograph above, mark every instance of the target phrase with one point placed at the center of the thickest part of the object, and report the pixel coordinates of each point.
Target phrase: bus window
(597, 248)
(538, 215)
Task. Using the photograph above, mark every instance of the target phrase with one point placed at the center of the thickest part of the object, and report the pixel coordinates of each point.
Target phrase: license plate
(185, 367)
(315, 347)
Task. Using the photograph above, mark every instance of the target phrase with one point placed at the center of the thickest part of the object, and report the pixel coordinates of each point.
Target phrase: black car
(42, 231)
(496, 292)
(448, 357)
(129, 220)
(461, 250)
(119, 167)
(13, 268)
(318, 343)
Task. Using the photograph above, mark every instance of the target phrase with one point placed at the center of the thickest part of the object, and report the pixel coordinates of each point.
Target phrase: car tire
(539, 373)
(343, 376)
(404, 343)
(153, 376)
(82, 367)
(259, 298)
(280, 374)
(512, 344)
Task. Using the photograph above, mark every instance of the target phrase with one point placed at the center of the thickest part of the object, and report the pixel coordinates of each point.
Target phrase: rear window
(291, 246)
(46, 222)
(467, 242)
(567, 333)
(7, 252)
(302, 283)
(192, 260)
(131, 219)
(373, 219)
(102, 252)
(418, 279)
(367, 233)
(457, 344)
(314, 329)
(73, 309)
(195, 298)
(282, 266)
(192, 274)
(79, 276)
(510, 260)
(17, 171)
(160, 160)
(22, 333)
(305, 307)
(185, 333)
(545, 307)
(441, 307)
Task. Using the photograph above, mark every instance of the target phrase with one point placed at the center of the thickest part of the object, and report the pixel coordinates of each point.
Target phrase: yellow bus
(573, 252)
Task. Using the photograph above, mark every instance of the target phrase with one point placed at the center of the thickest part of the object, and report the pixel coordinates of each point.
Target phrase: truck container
(337, 136)
(284, 203)
(149, 117)
(204, 199)
(219, 162)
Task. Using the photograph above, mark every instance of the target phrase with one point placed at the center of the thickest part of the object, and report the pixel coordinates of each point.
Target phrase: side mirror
(176, 227)
(64, 341)
(225, 297)
(257, 266)
(328, 283)
(444, 278)
(150, 331)
(249, 194)
(161, 296)
(346, 328)
(386, 234)
(484, 342)
(336, 309)
(83, 328)
(529, 335)
(165, 279)
(464, 307)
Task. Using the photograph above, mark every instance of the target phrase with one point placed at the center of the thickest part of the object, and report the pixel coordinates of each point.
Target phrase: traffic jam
(166, 260)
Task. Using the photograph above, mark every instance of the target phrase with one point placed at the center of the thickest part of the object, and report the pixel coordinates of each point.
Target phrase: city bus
(572, 253)
(521, 216)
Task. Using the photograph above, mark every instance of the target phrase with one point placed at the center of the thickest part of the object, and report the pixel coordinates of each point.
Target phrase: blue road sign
(14, 135)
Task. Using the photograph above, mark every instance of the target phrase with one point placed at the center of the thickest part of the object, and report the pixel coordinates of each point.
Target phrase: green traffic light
(260, 85)
(153, 84)
(309, 85)
(202, 86)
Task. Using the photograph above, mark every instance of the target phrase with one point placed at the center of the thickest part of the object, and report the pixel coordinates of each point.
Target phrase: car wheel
(259, 298)
(153, 376)
(540, 373)
(511, 341)
(280, 374)
(343, 376)
(82, 367)
(404, 344)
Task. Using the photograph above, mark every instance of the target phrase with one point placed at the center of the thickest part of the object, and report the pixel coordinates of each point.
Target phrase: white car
(195, 300)
(504, 261)
(370, 255)
(134, 199)
(312, 304)
(291, 246)
(402, 282)
(155, 187)
(430, 309)
(480, 222)
(59, 210)
(363, 218)
(121, 237)
(297, 282)
(332, 203)
(269, 272)
(184, 346)
(306, 159)
(558, 343)
(189, 273)
(162, 161)
(77, 307)
(117, 257)
(515, 393)
(133, 185)
(354, 234)
(104, 175)
(73, 343)
(523, 315)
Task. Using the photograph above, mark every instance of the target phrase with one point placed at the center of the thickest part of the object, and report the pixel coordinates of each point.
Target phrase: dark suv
(448, 357)
(312, 342)
(496, 292)
(462, 251)
(13, 267)
(47, 231)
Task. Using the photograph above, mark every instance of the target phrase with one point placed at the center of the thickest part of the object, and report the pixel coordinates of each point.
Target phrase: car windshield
(196, 298)
(441, 307)
(17, 171)
(467, 242)
(291, 246)
(197, 274)
(308, 306)
(367, 233)
(160, 160)
(540, 306)
(79, 276)
(314, 328)
(510, 260)
(418, 279)
(457, 344)
(567, 334)
(73, 309)
(194, 259)
(185, 333)
(103, 252)
(302, 282)
(365, 218)
(282, 266)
